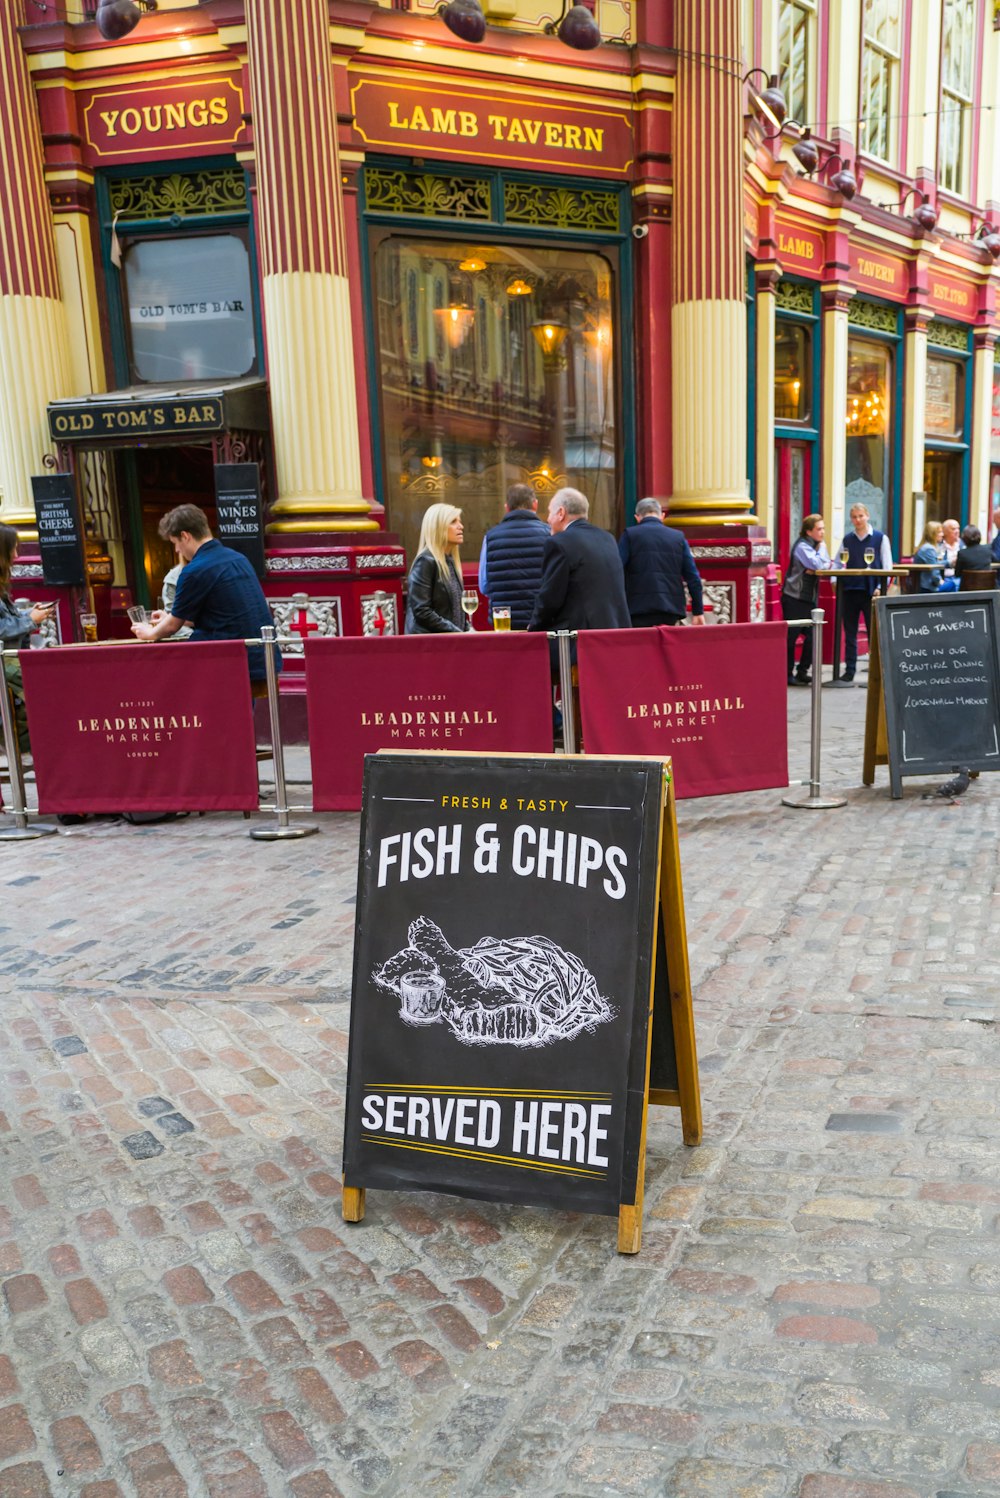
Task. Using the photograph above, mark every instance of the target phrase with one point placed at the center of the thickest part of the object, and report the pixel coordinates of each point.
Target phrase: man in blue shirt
(218, 594)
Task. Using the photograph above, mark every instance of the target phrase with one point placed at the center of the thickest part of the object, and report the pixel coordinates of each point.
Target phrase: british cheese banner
(502, 978)
(713, 699)
(141, 727)
(472, 692)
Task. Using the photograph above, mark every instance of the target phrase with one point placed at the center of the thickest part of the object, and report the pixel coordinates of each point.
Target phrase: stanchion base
(815, 803)
(280, 834)
(24, 834)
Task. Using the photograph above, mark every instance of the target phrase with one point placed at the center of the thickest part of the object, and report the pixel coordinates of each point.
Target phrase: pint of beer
(501, 618)
(88, 623)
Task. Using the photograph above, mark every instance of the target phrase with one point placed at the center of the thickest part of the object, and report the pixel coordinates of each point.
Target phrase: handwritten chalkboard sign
(504, 981)
(240, 520)
(934, 686)
(60, 539)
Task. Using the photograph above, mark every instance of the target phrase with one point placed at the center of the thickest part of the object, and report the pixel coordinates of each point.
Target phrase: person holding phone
(16, 628)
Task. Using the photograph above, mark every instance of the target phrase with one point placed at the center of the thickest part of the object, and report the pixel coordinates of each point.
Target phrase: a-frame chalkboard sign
(933, 686)
(521, 983)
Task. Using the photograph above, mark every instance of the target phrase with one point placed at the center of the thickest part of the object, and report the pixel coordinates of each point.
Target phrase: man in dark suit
(582, 586)
(657, 563)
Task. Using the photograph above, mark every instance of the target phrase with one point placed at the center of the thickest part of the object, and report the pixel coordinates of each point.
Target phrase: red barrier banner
(475, 692)
(713, 699)
(142, 727)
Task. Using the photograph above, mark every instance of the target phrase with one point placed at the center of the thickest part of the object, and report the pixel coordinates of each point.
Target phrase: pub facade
(391, 267)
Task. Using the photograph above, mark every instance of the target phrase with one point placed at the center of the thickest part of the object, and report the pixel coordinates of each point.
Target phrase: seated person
(975, 555)
(930, 552)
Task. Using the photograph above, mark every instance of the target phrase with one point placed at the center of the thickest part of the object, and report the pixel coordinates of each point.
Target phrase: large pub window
(881, 34)
(497, 346)
(871, 419)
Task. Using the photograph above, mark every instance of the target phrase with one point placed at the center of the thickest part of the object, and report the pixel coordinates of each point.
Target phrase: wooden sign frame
(673, 1002)
(878, 743)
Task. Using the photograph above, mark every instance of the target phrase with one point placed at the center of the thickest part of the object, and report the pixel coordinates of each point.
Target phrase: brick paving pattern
(814, 1313)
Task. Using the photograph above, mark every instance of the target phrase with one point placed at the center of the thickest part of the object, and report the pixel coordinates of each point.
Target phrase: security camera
(640, 231)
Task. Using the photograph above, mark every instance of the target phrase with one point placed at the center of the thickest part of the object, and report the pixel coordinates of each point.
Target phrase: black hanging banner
(240, 518)
(934, 685)
(60, 537)
(507, 919)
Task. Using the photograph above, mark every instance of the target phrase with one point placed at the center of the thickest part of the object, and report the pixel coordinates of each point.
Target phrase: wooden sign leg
(352, 1207)
(681, 1003)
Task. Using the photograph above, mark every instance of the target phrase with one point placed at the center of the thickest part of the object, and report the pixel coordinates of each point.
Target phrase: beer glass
(88, 623)
(501, 618)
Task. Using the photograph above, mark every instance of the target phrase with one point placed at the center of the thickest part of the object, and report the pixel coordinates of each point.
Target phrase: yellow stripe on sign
(480, 1092)
(439, 1149)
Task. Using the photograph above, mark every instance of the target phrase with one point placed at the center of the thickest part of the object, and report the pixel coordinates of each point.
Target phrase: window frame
(952, 100)
(892, 61)
(806, 111)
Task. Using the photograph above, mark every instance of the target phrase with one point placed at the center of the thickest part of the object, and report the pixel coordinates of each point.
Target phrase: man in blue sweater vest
(510, 563)
(657, 563)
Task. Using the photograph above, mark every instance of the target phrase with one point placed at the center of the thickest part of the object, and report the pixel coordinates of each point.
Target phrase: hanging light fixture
(465, 18)
(577, 28)
(456, 321)
(116, 18)
(518, 287)
(768, 102)
(550, 336)
(806, 152)
(471, 264)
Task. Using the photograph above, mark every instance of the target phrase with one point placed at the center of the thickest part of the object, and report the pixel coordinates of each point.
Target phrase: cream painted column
(708, 317)
(71, 208)
(914, 431)
(833, 480)
(982, 422)
(34, 368)
(303, 253)
(767, 278)
(925, 88)
(843, 64)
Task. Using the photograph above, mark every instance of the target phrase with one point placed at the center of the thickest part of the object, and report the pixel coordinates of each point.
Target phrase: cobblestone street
(814, 1313)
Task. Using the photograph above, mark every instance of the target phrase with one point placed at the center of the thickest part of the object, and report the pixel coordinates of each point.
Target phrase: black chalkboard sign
(240, 519)
(936, 684)
(506, 920)
(60, 537)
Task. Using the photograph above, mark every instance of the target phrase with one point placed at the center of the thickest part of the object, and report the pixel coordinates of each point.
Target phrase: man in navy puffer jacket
(510, 564)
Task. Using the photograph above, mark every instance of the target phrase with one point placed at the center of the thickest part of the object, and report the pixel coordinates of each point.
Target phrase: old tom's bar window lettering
(190, 309)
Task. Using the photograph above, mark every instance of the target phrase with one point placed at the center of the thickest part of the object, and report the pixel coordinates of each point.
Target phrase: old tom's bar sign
(162, 119)
(456, 122)
(96, 420)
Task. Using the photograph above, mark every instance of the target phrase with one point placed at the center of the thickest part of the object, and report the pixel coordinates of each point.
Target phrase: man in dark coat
(657, 563)
(510, 564)
(582, 586)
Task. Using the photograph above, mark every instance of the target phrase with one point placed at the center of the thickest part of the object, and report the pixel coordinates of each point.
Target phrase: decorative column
(835, 301)
(982, 414)
(708, 317)
(33, 332)
(915, 356)
(766, 278)
(303, 255)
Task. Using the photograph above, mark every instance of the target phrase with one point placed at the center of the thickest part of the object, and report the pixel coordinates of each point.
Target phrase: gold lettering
(148, 113)
(593, 140)
(110, 117)
(514, 131)
(418, 119)
(468, 124)
(131, 121)
(395, 122)
(573, 133)
(219, 108)
(553, 133)
(175, 117)
(197, 112)
(445, 121)
(497, 121)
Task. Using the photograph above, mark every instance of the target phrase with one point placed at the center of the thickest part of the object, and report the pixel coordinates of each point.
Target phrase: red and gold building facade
(394, 268)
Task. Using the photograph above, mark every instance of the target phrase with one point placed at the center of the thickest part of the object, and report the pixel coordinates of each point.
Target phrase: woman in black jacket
(434, 587)
(16, 628)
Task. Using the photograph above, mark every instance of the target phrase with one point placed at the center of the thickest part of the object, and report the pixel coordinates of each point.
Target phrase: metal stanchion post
(814, 801)
(564, 638)
(281, 832)
(20, 832)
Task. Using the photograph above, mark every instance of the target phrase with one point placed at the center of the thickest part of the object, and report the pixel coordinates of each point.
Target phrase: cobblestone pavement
(814, 1312)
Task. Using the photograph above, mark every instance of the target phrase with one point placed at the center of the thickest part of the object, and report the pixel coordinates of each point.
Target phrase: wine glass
(470, 603)
(869, 555)
(845, 556)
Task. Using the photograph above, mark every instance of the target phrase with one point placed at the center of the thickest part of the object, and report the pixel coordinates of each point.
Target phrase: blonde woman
(434, 587)
(930, 550)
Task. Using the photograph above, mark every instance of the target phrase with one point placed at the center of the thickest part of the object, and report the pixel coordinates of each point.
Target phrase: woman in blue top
(930, 551)
(799, 594)
(16, 628)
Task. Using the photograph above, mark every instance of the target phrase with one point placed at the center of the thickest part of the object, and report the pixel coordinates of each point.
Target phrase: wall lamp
(925, 215)
(116, 18)
(987, 236)
(806, 152)
(576, 26)
(769, 102)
